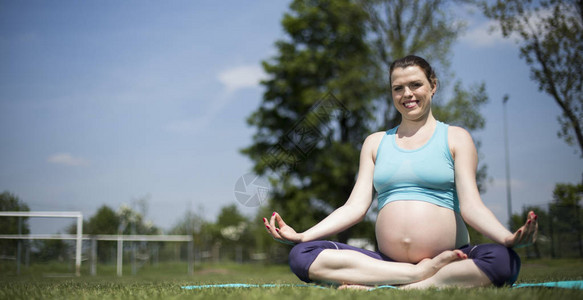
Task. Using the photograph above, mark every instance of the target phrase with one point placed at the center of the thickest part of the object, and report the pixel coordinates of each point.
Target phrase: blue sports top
(424, 174)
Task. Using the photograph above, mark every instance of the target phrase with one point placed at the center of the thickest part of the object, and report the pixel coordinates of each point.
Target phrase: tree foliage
(47, 250)
(327, 59)
(328, 89)
(560, 231)
(551, 42)
(104, 221)
(401, 27)
(568, 217)
(10, 225)
(134, 222)
(191, 223)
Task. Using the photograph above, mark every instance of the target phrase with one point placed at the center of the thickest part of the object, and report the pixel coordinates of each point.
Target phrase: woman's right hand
(525, 235)
(284, 234)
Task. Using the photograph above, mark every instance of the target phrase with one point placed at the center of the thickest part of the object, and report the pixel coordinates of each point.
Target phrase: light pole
(508, 194)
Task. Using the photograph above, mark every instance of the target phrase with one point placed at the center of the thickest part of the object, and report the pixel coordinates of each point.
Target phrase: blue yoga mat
(574, 284)
(246, 285)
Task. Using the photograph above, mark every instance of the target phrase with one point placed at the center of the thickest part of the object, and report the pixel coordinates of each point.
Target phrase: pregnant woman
(424, 172)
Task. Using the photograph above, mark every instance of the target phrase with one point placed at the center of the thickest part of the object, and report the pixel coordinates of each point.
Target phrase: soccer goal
(50, 214)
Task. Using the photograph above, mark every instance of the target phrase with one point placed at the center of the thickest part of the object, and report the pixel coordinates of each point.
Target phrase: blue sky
(106, 102)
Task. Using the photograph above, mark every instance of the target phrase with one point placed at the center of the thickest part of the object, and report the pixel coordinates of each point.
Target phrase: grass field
(165, 281)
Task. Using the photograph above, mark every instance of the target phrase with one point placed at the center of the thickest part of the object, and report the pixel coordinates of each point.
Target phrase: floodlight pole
(508, 194)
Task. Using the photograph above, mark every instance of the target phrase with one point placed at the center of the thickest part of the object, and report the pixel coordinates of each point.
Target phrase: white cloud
(67, 160)
(486, 34)
(241, 77)
(489, 34)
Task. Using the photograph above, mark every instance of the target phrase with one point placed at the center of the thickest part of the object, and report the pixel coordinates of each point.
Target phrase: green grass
(165, 281)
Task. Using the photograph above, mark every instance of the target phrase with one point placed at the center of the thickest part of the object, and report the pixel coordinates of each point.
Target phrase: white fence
(79, 237)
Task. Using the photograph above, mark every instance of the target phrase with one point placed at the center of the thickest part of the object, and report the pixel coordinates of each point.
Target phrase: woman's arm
(352, 212)
(473, 210)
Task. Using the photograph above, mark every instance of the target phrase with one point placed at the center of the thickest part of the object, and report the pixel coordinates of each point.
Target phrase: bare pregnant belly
(409, 231)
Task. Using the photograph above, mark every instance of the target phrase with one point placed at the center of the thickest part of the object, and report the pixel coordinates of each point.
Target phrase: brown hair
(412, 60)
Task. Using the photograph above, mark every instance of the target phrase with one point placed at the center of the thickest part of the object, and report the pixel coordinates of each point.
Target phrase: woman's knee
(499, 263)
(302, 256)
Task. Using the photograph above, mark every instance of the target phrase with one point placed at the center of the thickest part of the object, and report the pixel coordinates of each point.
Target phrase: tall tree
(551, 42)
(316, 109)
(104, 221)
(568, 218)
(327, 90)
(193, 223)
(134, 222)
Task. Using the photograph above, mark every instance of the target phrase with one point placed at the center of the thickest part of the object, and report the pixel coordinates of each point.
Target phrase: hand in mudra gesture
(525, 235)
(281, 232)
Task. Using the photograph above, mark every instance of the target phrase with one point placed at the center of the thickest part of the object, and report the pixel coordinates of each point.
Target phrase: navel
(406, 245)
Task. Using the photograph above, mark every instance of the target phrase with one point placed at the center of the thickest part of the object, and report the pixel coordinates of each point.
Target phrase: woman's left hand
(525, 235)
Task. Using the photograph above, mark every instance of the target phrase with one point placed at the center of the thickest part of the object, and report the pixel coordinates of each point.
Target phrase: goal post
(54, 214)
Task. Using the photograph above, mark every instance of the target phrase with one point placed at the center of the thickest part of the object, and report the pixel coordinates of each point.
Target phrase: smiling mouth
(410, 104)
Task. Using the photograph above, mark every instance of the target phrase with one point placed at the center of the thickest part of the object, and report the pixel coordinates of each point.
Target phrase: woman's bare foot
(428, 267)
(425, 268)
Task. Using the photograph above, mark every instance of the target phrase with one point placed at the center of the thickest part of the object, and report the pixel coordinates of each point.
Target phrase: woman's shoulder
(377, 136)
(458, 134)
(459, 139)
(373, 141)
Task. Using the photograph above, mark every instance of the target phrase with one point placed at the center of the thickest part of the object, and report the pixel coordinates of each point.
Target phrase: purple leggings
(499, 263)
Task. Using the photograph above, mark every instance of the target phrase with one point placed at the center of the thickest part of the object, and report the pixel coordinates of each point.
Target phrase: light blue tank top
(424, 174)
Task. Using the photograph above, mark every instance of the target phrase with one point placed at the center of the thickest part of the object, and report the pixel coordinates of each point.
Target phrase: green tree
(234, 233)
(317, 109)
(567, 219)
(49, 250)
(193, 223)
(134, 222)
(10, 225)
(104, 221)
(230, 216)
(551, 42)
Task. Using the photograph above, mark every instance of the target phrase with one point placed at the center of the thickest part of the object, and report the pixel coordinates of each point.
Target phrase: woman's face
(412, 92)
